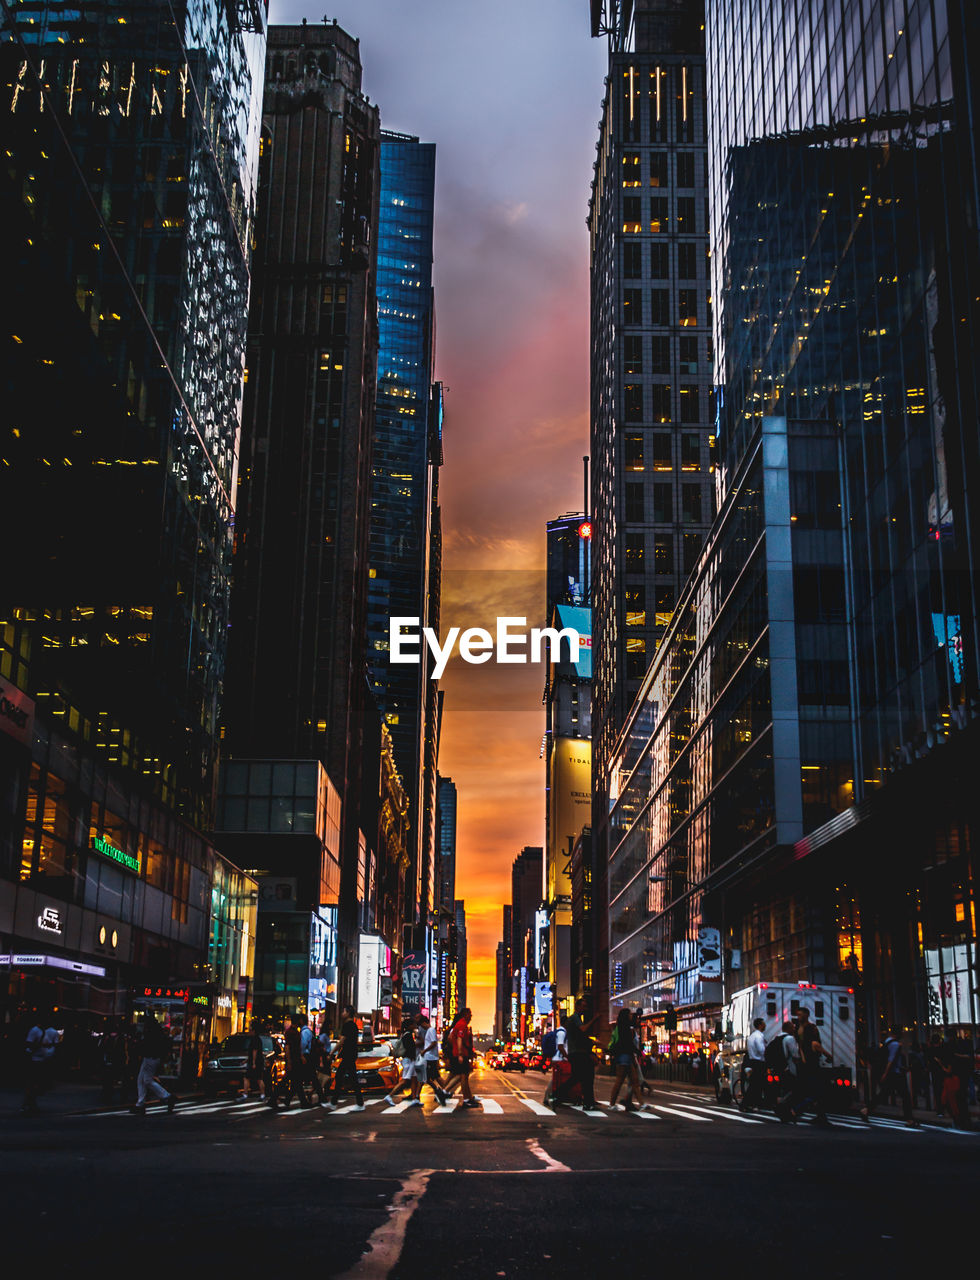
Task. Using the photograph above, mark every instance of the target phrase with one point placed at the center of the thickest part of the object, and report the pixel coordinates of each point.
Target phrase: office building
(808, 728)
(297, 687)
(128, 213)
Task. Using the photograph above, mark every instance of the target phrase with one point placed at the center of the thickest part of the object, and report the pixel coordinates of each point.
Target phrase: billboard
(370, 960)
(570, 808)
(415, 985)
(581, 621)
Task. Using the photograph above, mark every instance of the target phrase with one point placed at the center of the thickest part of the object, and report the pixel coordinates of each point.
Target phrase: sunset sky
(510, 94)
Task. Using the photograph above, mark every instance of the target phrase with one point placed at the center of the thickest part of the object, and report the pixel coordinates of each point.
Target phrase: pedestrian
(755, 1066)
(936, 1069)
(154, 1050)
(917, 1071)
(809, 1079)
(788, 1057)
(645, 1086)
(427, 1062)
(40, 1044)
(345, 1057)
(112, 1050)
(461, 1059)
(255, 1065)
(961, 1063)
(578, 1046)
(622, 1050)
(408, 1048)
(295, 1065)
(892, 1081)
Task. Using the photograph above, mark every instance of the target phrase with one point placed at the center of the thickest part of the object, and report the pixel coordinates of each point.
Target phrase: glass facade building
(798, 766)
(130, 134)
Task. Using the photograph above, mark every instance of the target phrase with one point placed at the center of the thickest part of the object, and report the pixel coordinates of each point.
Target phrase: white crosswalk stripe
(446, 1108)
(490, 1107)
(684, 1115)
(538, 1108)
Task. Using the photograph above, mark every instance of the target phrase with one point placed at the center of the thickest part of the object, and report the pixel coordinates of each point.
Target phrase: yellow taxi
(378, 1068)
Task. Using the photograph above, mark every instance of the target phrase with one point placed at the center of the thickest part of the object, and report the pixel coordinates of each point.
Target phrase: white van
(832, 1012)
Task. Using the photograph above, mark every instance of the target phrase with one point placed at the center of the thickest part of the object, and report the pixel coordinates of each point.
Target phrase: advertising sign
(581, 621)
(542, 997)
(368, 972)
(277, 893)
(415, 967)
(709, 954)
(570, 805)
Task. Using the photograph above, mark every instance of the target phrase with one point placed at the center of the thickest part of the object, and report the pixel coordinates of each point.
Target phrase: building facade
(798, 759)
(297, 686)
(130, 209)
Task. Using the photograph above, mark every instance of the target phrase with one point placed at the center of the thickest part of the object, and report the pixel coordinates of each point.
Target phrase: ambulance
(832, 1012)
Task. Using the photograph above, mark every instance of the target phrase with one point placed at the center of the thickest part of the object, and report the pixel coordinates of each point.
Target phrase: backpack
(614, 1040)
(408, 1044)
(549, 1044)
(775, 1056)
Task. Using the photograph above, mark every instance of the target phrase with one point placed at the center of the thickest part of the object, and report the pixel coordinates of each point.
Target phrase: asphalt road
(510, 1190)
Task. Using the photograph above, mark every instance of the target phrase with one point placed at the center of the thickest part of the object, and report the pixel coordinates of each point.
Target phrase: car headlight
(213, 1066)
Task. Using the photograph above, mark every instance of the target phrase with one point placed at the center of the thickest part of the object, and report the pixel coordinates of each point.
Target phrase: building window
(658, 168)
(662, 459)
(691, 503)
(690, 452)
(635, 509)
(634, 453)
(636, 606)
(685, 168)
(633, 402)
(660, 408)
(687, 307)
(631, 168)
(631, 215)
(659, 261)
(660, 306)
(692, 549)
(659, 215)
(660, 354)
(663, 553)
(685, 215)
(663, 503)
(688, 351)
(687, 260)
(636, 659)
(634, 552)
(632, 306)
(690, 404)
(632, 261)
(632, 354)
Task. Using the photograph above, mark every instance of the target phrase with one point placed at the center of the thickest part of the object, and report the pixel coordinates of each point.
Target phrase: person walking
(40, 1044)
(427, 1062)
(789, 1070)
(255, 1068)
(892, 1081)
(345, 1055)
(810, 1082)
(755, 1066)
(645, 1086)
(578, 1046)
(153, 1051)
(622, 1050)
(409, 1051)
(937, 1072)
(295, 1065)
(461, 1059)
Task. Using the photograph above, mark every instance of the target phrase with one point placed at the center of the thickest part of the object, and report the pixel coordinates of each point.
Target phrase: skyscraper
(298, 697)
(407, 454)
(809, 727)
(651, 361)
(128, 210)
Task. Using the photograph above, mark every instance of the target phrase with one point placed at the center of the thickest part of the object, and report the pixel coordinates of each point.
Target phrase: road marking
(491, 1108)
(719, 1114)
(684, 1115)
(386, 1242)
(553, 1166)
(398, 1108)
(446, 1108)
(642, 1113)
(941, 1128)
(538, 1108)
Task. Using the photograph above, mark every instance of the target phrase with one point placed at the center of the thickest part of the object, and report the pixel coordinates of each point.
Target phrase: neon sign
(101, 845)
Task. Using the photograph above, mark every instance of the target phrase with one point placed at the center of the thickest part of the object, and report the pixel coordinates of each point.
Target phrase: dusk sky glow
(510, 94)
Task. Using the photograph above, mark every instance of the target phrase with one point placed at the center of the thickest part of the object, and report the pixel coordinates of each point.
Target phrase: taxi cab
(378, 1068)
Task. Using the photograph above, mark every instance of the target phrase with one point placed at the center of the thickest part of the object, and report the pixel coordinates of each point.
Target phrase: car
(513, 1061)
(537, 1062)
(379, 1068)
(228, 1068)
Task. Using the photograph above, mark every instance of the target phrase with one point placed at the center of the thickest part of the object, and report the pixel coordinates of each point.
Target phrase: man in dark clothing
(345, 1078)
(810, 1082)
(295, 1066)
(579, 1049)
(892, 1080)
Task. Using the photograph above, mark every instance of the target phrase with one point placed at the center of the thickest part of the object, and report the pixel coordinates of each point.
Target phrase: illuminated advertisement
(452, 996)
(371, 955)
(579, 620)
(570, 807)
(415, 970)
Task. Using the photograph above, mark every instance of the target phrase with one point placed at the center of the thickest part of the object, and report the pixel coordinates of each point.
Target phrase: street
(510, 1190)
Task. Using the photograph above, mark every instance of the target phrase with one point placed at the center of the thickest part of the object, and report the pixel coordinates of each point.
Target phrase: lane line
(552, 1165)
(385, 1243)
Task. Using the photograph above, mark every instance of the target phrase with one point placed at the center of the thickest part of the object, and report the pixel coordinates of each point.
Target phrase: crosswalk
(674, 1106)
